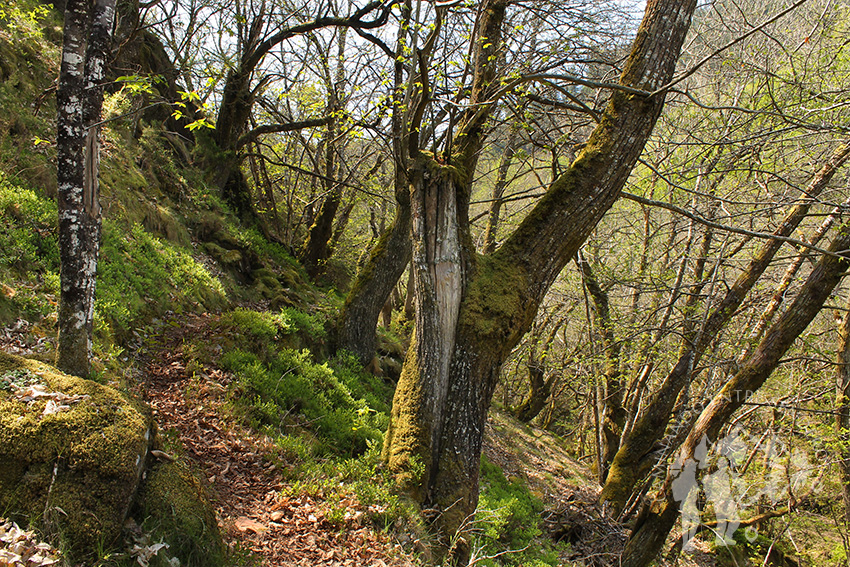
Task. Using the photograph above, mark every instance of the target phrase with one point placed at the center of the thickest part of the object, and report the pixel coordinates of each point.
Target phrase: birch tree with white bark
(79, 98)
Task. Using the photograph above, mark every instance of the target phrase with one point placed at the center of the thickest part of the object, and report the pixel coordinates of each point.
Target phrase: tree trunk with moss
(657, 518)
(842, 409)
(613, 412)
(79, 99)
(472, 310)
(538, 393)
(357, 323)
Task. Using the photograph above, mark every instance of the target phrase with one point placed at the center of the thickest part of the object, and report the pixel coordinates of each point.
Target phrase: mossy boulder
(173, 507)
(266, 283)
(223, 255)
(71, 474)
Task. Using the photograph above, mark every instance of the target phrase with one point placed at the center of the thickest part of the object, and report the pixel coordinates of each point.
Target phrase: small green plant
(508, 522)
(19, 378)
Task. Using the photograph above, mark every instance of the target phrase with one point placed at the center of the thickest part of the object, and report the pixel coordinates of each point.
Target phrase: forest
(411, 283)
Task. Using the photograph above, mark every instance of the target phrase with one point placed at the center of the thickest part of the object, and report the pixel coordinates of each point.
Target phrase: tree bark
(635, 457)
(658, 517)
(355, 329)
(79, 98)
(842, 409)
(472, 310)
(787, 279)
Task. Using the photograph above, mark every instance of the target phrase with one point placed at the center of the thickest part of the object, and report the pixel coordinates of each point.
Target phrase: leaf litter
(19, 548)
(244, 485)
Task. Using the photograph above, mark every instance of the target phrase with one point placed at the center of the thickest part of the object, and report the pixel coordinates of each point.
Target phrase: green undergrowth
(292, 393)
(507, 525)
(29, 62)
(749, 547)
(327, 418)
(141, 276)
(29, 253)
(364, 481)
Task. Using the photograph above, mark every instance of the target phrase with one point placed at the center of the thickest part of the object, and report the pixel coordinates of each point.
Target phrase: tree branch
(278, 128)
(704, 221)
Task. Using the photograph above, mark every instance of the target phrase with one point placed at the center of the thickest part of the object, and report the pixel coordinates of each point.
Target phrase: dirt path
(245, 486)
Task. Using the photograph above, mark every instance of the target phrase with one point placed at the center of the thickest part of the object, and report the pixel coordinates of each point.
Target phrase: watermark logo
(715, 481)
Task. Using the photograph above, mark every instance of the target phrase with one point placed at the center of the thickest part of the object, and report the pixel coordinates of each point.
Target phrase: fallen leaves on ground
(19, 548)
(56, 401)
(245, 486)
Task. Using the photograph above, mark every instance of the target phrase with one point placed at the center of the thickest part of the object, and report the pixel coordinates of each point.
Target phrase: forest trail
(243, 484)
(245, 479)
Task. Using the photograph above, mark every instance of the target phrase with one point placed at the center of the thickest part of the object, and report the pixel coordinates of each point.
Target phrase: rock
(71, 472)
(173, 506)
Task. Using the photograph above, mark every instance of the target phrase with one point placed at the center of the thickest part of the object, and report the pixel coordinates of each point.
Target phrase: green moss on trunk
(407, 442)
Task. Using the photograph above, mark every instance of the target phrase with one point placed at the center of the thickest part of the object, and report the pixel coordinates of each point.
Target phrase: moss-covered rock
(266, 283)
(173, 507)
(71, 474)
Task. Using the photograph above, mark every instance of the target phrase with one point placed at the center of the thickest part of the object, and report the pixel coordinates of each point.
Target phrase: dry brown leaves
(244, 485)
(26, 339)
(19, 548)
(297, 531)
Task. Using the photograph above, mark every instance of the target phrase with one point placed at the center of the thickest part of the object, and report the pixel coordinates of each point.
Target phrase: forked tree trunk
(472, 310)
(79, 98)
(657, 518)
